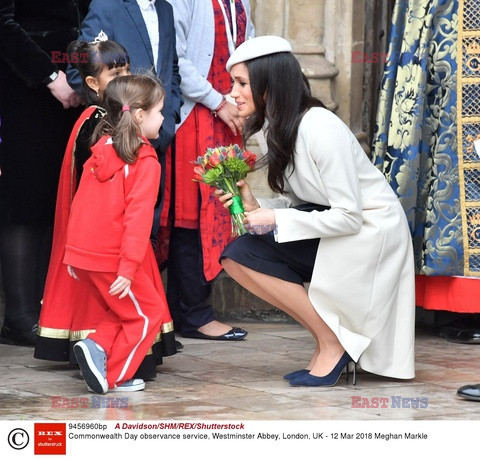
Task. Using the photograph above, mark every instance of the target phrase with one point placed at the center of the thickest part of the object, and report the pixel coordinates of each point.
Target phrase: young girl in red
(62, 322)
(108, 235)
(64, 318)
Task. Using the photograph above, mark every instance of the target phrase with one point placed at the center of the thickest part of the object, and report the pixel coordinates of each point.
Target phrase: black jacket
(30, 30)
(35, 126)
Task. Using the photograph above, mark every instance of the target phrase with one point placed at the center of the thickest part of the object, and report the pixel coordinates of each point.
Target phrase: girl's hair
(90, 58)
(282, 95)
(123, 96)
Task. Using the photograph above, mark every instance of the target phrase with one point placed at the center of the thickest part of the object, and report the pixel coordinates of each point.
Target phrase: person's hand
(63, 92)
(120, 286)
(260, 221)
(72, 272)
(248, 199)
(229, 115)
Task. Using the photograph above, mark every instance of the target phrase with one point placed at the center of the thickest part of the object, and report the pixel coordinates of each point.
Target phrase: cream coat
(363, 278)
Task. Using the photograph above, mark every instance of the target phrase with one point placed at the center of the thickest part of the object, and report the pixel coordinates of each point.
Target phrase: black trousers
(188, 293)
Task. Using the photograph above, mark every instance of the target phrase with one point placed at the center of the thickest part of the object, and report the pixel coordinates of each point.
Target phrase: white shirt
(149, 13)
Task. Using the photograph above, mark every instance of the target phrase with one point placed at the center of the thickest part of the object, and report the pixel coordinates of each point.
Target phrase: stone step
(232, 302)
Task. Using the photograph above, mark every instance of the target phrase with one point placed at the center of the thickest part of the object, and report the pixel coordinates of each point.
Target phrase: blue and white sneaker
(131, 385)
(93, 364)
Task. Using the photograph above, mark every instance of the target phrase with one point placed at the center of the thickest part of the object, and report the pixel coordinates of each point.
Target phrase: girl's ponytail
(125, 137)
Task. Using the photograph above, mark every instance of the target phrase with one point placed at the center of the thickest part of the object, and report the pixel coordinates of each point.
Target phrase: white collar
(145, 4)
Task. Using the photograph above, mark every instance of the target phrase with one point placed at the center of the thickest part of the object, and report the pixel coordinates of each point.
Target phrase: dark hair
(90, 58)
(282, 95)
(136, 92)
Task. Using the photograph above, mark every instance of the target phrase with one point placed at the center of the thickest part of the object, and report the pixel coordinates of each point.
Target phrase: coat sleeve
(333, 148)
(141, 188)
(279, 202)
(195, 86)
(19, 51)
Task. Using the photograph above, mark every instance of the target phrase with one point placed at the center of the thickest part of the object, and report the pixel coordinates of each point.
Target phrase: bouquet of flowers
(223, 167)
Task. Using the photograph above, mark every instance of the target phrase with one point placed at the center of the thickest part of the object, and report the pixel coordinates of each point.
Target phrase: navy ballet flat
(329, 380)
(295, 374)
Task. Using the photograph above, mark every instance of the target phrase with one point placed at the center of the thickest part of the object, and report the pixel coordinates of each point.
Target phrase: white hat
(256, 47)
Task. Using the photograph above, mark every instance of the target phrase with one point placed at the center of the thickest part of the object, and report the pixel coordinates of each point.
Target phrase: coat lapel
(137, 18)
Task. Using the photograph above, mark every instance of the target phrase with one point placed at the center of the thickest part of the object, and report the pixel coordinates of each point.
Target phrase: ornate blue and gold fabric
(416, 143)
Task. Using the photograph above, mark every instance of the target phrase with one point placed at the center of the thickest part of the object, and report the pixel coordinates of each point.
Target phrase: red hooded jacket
(112, 211)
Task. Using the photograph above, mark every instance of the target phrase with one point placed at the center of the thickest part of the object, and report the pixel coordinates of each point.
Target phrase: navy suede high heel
(328, 380)
(295, 374)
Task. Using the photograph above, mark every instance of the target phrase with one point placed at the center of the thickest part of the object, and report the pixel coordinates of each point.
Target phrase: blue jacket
(122, 21)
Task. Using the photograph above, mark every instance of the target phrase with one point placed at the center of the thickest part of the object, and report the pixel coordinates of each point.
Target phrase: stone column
(344, 35)
(301, 22)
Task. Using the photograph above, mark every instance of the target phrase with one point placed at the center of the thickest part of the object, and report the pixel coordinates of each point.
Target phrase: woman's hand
(260, 221)
(120, 286)
(229, 115)
(248, 200)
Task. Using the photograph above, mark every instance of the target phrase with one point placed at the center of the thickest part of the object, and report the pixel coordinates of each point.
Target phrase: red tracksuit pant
(130, 324)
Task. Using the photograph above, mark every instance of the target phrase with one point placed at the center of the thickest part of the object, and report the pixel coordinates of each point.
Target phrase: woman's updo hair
(123, 96)
(90, 58)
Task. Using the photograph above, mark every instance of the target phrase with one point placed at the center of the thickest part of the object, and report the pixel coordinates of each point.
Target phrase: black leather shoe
(471, 392)
(235, 334)
(462, 335)
(178, 345)
(9, 335)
